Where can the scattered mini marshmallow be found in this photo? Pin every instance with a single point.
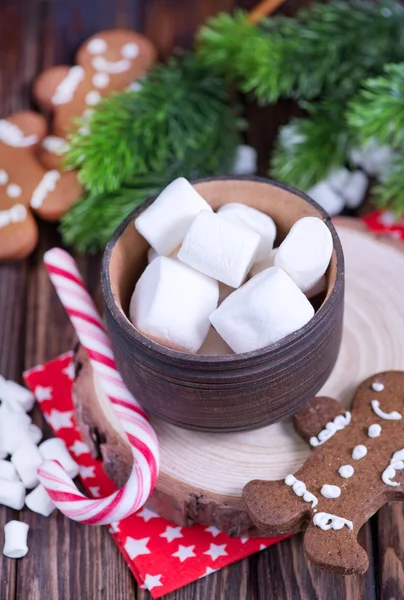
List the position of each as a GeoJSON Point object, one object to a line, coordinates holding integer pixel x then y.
{"type": "Point", "coordinates": [267, 308]}
{"type": "Point", "coordinates": [255, 220]}
{"type": "Point", "coordinates": [165, 223]}
{"type": "Point", "coordinates": [35, 433]}
{"type": "Point", "coordinates": [264, 264]}
{"type": "Point", "coordinates": [39, 501]}
{"type": "Point", "coordinates": [214, 345]}
{"type": "Point", "coordinates": [323, 193]}
{"type": "Point", "coordinates": [245, 162]}
{"type": "Point", "coordinates": [14, 431]}
{"type": "Point", "coordinates": [55, 449]}
{"type": "Point", "coordinates": [12, 494]}
{"type": "Point", "coordinates": [373, 158]}
{"type": "Point", "coordinates": [220, 248]}
{"type": "Point", "coordinates": [338, 179]}
{"type": "Point", "coordinates": [355, 190]}
{"type": "Point", "coordinates": [7, 471]}
{"type": "Point", "coordinates": [15, 539]}
{"type": "Point", "coordinates": [171, 304]}
{"type": "Point", "coordinates": [306, 251]}
{"type": "Point", "coordinates": [26, 461]}
{"type": "Point", "coordinates": [13, 393]}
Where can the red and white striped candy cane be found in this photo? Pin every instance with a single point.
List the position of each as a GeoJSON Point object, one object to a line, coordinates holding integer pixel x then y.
{"type": "Point", "coordinates": [69, 500]}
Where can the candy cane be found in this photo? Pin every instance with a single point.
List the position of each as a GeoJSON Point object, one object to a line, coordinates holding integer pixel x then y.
{"type": "Point", "coordinates": [83, 314]}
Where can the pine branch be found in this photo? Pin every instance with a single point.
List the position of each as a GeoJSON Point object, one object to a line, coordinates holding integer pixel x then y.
{"type": "Point", "coordinates": [323, 50]}
{"type": "Point", "coordinates": [181, 116]}
{"type": "Point", "coordinates": [377, 112]}
{"type": "Point", "coordinates": [309, 148]}
{"type": "Point", "coordinates": [389, 193]}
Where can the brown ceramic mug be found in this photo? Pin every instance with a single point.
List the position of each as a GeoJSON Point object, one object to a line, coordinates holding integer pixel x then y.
{"type": "Point", "coordinates": [236, 391]}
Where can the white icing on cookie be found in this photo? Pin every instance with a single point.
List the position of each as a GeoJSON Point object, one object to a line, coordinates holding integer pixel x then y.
{"type": "Point", "coordinates": [93, 97]}
{"type": "Point", "coordinates": [346, 471]}
{"type": "Point", "coordinates": [16, 214]}
{"type": "Point", "coordinates": [377, 386]}
{"type": "Point", "coordinates": [46, 185]}
{"type": "Point", "coordinates": [393, 416]}
{"type": "Point", "coordinates": [100, 63]}
{"type": "Point", "coordinates": [396, 464]}
{"type": "Point", "coordinates": [3, 177]}
{"type": "Point", "coordinates": [65, 90]}
{"type": "Point", "coordinates": [359, 452]}
{"type": "Point", "coordinates": [96, 46]}
{"type": "Point", "coordinates": [339, 423]}
{"type": "Point", "coordinates": [330, 491]}
{"type": "Point", "coordinates": [299, 487]}
{"type": "Point", "coordinates": [54, 144]}
{"type": "Point", "coordinates": [101, 80]}
{"type": "Point", "coordinates": [11, 135]}
{"type": "Point", "coordinates": [130, 50]}
{"type": "Point", "coordinates": [374, 430]}
{"type": "Point", "coordinates": [13, 190]}
{"type": "Point", "coordinates": [327, 521]}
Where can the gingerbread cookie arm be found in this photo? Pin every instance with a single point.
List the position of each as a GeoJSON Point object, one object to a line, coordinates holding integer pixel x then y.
{"type": "Point", "coordinates": [18, 233]}
{"type": "Point", "coordinates": [316, 416]}
{"type": "Point", "coordinates": [23, 130]}
{"type": "Point", "coordinates": [274, 508]}
{"type": "Point", "coordinates": [55, 194]}
{"type": "Point", "coordinates": [335, 550]}
{"type": "Point", "coordinates": [47, 83]}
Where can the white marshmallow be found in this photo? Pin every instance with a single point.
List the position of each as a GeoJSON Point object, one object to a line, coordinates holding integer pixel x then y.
{"type": "Point", "coordinates": [165, 222]}
{"type": "Point", "coordinates": [374, 159]}
{"type": "Point", "coordinates": [245, 161]}
{"type": "Point", "coordinates": [55, 449]}
{"type": "Point", "coordinates": [15, 539]}
{"type": "Point", "coordinates": [264, 310]}
{"type": "Point", "coordinates": [26, 461]}
{"type": "Point", "coordinates": [39, 501]}
{"type": "Point", "coordinates": [318, 288]}
{"type": "Point", "coordinates": [13, 393]}
{"type": "Point", "coordinates": [355, 189]}
{"type": "Point", "coordinates": [7, 471]}
{"type": "Point", "coordinates": [171, 304]}
{"type": "Point", "coordinates": [35, 434]}
{"type": "Point", "coordinates": [214, 345]}
{"type": "Point", "coordinates": [306, 252]}
{"type": "Point", "coordinates": [327, 197]}
{"type": "Point", "coordinates": [12, 494]}
{"type": "Point", "coordinates": [219, 248]}
{"type": "Point", "coordinates": [264, 264]}
{"type": "Point", "coordinates": [151, 255]}
{"type": "Point", "coordinates": [338, 179]}
{"type": "Point", "coordinates": [255, 220]}
{"type": "Point", "coordinates": [14, 430]}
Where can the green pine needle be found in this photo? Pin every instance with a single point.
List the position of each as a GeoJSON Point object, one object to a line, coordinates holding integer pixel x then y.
{"type": "Point", "coordinates": [389, 193]}
{"type": "Point", "coordinates": [326, 49]}
{"type": "Point", "coordinates": [309, 148]}
{"type": "Point", "coordinates": [182, 117]}
{"type": "Point", "coordinates": [377, 112]}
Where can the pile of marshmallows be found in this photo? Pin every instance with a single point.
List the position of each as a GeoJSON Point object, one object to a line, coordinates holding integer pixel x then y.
{"type": "Point", "coordinates": [18, 440]}
{"type": "Point", "coordinates": [198, 264]}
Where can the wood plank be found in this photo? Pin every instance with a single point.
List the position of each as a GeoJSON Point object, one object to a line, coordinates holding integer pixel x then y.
{"type": "Point", "coordinates": [390, 539]}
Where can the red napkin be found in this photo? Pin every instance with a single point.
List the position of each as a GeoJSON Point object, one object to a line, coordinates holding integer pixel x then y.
{"type": "Point", "coordinates": [385, 222]}
{"type": "Point", "coordinates": [162, 556]}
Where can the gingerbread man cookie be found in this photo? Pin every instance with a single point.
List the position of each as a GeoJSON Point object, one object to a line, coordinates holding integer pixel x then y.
{"type": "Point", "coordinates": [357, 466]}
{"type": "Point", "coordinates": [26, 185]}
{"type": "Point", "coordinates": [107, 62]}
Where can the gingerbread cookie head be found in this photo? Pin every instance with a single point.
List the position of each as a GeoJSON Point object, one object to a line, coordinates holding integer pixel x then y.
{"type": "Point", "coordinates": [356, 466]}
{"type": "Point", "coordinates": [109, 61]}
{"type": "Point", "coordinates": [25, 185]}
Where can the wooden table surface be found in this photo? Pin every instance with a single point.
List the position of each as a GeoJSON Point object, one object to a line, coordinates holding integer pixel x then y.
{"type": "Point", "coordinates": [67, 560]}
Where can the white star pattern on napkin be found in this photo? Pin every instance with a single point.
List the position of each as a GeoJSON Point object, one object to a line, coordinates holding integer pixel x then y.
{"type": "Point", "coordinates": [135, 548]}
{"type": "Point", "coordinates": [172, 533]}
{"type": "Point", "coordinates": [151, 581]}
{"type": "Point", "coordinates": [87, 472]}
{"type": "Point", "coordinates": [79, 448]}
{"type": "Point", "coordinates": [69, 371]}
{"type": "Point", "coordinates": [243, 540]}
{"type": "Point", "coordinates": [184, 552]}
{"type": "Point", "coordinates": [147, 514]}
{"type": "Point", "coordinates": [215, 551]}
{"type": "Point", "coordinates": [43, 393]}
{"type": "Point", "coordinates": [208, 571]}
{"type": "Point", "coordinates": [95, 491]}
{"type": "Point", "coordinates": [57, 419]}
{"type": "Point", "coordinates": [213, 530]}
{"type": "Point", "coordinates": [114, 527]}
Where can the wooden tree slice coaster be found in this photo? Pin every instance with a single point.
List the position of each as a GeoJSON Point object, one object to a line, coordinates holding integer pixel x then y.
{"type": "Point", "coordinates": [202, 474]}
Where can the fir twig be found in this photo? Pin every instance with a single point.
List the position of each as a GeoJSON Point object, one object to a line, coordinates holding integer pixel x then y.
{"type": "Point", "coordinates": [377, 112]}
{"type": "Point", "coordinates": [389, 193]}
